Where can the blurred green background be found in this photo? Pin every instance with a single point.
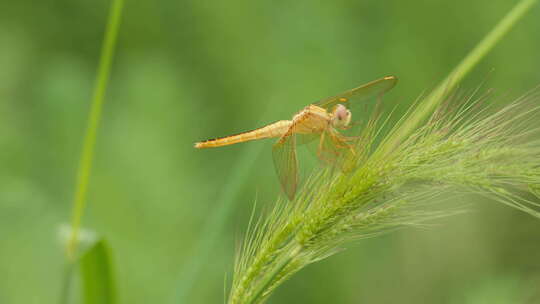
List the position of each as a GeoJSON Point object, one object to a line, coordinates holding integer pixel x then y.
{"type": "Point", "coordinates": [190, 70]}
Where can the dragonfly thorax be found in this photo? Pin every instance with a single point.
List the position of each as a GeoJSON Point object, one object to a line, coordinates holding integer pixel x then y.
{"type": "Point", "coordinates": [341, 117]}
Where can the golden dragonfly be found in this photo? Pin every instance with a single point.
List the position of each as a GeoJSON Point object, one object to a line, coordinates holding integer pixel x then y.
{"type": "Point", "coordinates": [320, 120]}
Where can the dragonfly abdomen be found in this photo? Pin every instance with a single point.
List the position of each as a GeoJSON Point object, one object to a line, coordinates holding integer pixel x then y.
{"type": "Point", "coordinates": [276, 129]}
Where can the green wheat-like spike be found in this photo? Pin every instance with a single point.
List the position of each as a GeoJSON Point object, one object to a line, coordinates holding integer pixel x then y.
{"type": "Point", "coordinates": [438, 161]}
{"type": "Point", "coordinates": [462, 146]}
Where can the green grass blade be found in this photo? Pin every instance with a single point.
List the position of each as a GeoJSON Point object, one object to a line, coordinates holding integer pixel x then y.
{"type": "Point", "coordinates": [429, 103]}
{"type": "Point", "coordinates": [67, 277]}
{"type": "Point", "coordinates": [85, 163]}
{"type": "Point", "coordinates": [96, 275]}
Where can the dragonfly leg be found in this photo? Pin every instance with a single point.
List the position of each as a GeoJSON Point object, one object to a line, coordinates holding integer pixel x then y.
{"type": "Point", "coordinates": [350, 138]}
{"type": "Point", "coordinates": [321, 141]}
{"type": "Point", "coordinates": [320, 150]}
{"type": "Point", "coordinates": [341, 141]}
{"type": "Point", "coordinates": [352, 124]}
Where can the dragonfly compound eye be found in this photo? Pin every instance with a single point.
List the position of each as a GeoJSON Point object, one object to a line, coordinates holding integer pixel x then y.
{"type": "Point", "coordinates": [342, 116]}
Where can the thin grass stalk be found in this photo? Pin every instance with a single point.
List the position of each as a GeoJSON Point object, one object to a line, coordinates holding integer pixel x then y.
{"type": "Point", "coordinates": [94, 117]}
{"type": "Point", "coordinates": [462, 69]}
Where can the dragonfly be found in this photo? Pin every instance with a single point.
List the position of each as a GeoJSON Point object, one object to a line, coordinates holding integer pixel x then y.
{"type": "Point", "coordinates": [321, 121]}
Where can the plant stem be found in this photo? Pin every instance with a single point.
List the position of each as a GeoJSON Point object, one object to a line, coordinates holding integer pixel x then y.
{"type": "Point", "coordinates": [87, 155]}
{"type": "Point", "coordinates": [262, 287]}
{"type": "Point", "coordinates": [66, 284]}
{"type": "Point", "coordinates": [448, 84]}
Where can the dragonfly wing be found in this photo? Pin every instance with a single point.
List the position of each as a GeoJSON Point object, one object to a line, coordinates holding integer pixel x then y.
{"type": "Point", "coordinates": [286, 163]}
{"type": "Point", "coordinates": [331, 147]}
{"type": "Point", "coordinates": [370, 89]}
{"type": "Point", "coordinates": [307, 139]}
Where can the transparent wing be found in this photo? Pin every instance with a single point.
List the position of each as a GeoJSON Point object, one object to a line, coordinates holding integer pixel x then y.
{"type": "Point", "coordinates": [307, 139]}
{"type": "Point", "coordinates": [332, 146]}
{"type": "Point", "coordinates": [286, 162]}
{"type": "Point", "coordinates": [370, 89]}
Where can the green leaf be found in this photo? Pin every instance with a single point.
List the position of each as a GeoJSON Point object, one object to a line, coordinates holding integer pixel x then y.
{"type": "Point", "coordinates": [96, 275]}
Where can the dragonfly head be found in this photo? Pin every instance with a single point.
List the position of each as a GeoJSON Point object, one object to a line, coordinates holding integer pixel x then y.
{"type": "Point", "coordinates": [341, 117]}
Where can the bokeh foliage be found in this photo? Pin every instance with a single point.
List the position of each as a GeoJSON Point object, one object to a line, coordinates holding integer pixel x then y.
{"type": "Point", "coordinates": [189, 70]}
